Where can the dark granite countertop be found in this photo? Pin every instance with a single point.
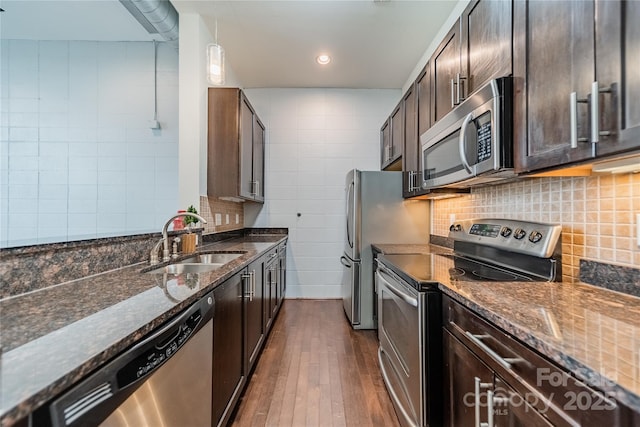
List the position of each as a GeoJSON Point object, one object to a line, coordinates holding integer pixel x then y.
{"type": "Point", "coordinates": [53, 337]}
{"type": "Point", "coordinates": [590, 331]}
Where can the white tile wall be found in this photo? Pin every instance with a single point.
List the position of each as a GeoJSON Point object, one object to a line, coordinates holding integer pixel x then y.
{"type": "Point", "coordinates": [78, 157]}
{"type": "Point", "coordinates": [314, 136]}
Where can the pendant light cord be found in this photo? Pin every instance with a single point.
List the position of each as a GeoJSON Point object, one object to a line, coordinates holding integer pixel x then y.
{"type": "Point", "coordinates": [155, 80]}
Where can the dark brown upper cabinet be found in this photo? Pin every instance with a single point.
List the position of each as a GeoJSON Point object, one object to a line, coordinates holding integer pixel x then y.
{"type": "Point", "coordinates": [576, 85]}
{"type": "Point", "coordinates": [235, 169]}
{"type": "Point", "coordinates": [617, 41]}
{"type": "Point", "coordinates": [419, 95]}
{"type": "Point", "coordinates": [410, 143]}
{"type": "Point", "coordinates": [446, 74]}
{"type": "Point", "coordinates": [391, 146]}
{"type": "Point", "coordinates": [475, 50]}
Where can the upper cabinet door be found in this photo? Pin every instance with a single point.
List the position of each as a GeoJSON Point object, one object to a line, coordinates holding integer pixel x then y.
{"type": "Point", "coordinates": [447, 88]}
{"type": "Point", "coordinates": [487, 41]}
{"type": "Point", "coordinates": [423, 89]}
{"type": "Point", "coordinates": [258, 160]}
{"type": "Point", "coordinates": [385, 141]}
{"type": "Point", "coordinates": [553, 72]}
{"type": "Point", "coordinates": [246, 184]}
{"type": "Point", "coordinates": [410, 146]}
{"type": "Point", "coordinates": [617, 59]}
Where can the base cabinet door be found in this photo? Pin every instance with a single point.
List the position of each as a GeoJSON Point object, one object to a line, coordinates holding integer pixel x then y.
{"type": "Point", "coordinates": [253, 313]}
{"type": "Point", "coordinates": [271, 289]}
{"type": "Point", "coordinates": [228, 370]}
{"type": "Point", "coordinates": [462, 369]}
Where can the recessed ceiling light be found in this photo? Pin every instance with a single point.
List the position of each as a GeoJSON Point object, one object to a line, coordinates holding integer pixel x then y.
{"type": "Point", "coordinates": [323, 59]}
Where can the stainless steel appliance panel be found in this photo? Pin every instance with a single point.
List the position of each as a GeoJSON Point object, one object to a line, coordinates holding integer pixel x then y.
{"type": "Point", "coordinates": [375, 213]}
{"type": "Point", "coordinates": [351, 288]}
{"type": "Point", "coordinates": [400, 351]}
{"type": "Point", "coordinates": [165, 379]}
{"type": "Point", "coordinates": [177, 394]}
{"type": "Point", "coordinates": [473, 143]}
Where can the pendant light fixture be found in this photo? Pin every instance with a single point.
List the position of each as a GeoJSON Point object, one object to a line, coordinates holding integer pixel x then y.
{"type": "Point", "coordinates": [215, 61]}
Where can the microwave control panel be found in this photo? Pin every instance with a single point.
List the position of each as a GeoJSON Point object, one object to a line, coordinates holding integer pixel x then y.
{"type": "Point", "coordinates": [483, 126]}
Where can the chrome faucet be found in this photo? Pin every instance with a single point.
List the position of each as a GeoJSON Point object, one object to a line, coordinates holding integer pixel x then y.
{"type": "Point", "coordinates": [165, 238]}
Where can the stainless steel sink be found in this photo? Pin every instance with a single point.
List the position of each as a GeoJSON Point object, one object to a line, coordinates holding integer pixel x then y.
{"type": "Point", "coordinates": [200, 263]}
{"type": "Point", "coordinates": [181, 268]}
{"type": "Point", "coordinates": [211, 258]}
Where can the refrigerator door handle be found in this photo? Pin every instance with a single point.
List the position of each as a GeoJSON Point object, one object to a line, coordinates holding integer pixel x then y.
{"type": "Point", "coordinates": [350, 213]}
{"type": "Point", "coordinates": [344, 261]}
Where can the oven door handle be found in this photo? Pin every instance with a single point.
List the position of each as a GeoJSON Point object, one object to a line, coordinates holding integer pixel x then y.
{"type": "Point", "coordinates": [462, 142]}
{"type": "Point", "coordinates": [409, 299]}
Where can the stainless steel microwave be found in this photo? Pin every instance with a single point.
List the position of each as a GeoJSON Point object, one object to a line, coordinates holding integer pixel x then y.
{"type": "Point", "coordinates": [472, 144]}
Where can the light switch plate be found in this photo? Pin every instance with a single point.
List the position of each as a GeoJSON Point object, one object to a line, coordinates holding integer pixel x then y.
{"type": "Point", "coordinates": [237, 218]}
{"type": "Point", "coordinates": [218, 219]}
{"type": "Point", "coordinates": [226, 219]}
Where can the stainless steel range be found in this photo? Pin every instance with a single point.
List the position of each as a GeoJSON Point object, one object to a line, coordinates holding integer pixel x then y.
{"type": "Point", "coordinates": [409, 302]}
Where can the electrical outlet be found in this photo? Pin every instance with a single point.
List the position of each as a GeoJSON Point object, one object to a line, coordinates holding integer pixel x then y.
{"type": "Point", "coordinates": [226, 219]}
{"type": "Point", "coordinates": [638, 229]}
{"type": "Point", "coordinates": [452, 218]}
{"type": "Point", "coordinates": [237, 218]}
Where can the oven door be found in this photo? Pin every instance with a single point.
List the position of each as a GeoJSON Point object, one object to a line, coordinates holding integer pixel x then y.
{"type": "Point", "coordinates": [399, 354]}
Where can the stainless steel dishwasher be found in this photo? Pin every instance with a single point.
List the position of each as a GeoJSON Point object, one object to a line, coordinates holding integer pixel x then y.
{"type": "Point", "coordinates": [165, 380]}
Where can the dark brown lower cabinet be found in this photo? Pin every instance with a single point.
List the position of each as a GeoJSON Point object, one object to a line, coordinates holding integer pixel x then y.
{"type": "Point", "coordinates": [253, 312]}
{"type": "Point", "coordinates": [271, 271]}
{"type": "Point", "coordinates": [492, 379]}
{"type": "Point", "coordinates": [475, 394]}
{"type": "Point", "coordinates": [228, 370]}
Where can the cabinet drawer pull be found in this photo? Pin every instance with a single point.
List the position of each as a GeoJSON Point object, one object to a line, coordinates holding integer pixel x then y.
{"type": "Point", "coordinates": [504, 362]}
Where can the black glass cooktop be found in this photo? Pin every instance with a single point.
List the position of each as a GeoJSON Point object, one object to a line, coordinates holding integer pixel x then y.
{"type": "Point", "coordinates": [474, 270]}
{"type": "Point", "coordinates": [416, 269]}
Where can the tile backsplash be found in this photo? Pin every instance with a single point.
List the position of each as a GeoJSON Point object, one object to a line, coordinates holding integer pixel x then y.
{"type": "Point", "coordinates": [221, 215]}
{"type": "Point", "coordinates": [597, 214]}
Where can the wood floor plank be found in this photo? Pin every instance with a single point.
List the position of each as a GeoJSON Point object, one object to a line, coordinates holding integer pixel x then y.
{"type": "Point", "coordinates": [315, 370]}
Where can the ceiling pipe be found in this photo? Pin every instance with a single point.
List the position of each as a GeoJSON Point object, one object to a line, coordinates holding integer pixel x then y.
{"type": "Point", "coordinates": [156, 16]}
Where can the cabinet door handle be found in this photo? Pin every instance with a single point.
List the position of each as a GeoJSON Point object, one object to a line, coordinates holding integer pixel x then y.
{"type": "Point", "coordinates": [459, 90]}
{"type": "Point", "coordinates": [453, 93]}
{"type": "Point", "coordinates": [253, 284]}
{"type": "Point", "coordinates": [595, 112]}
{"type": "Point", "coordinates": [478, 385]}
{"type": "Point", "coordinates": [502, 361]}
{"type": "Point", "coordinates": [573, 118]}
{"type": "Point", "coordinates": [248, 294]}
{"type": "Point", "coordinates": [462, 142]}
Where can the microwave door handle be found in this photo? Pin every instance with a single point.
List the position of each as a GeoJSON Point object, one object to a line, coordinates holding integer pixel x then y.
{"type": "Point", "coordinates": [462, 142]}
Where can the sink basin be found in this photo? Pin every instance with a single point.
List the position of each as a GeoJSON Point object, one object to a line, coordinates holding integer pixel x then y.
{"type": "Point", "coordinates": [200, 263]}
{"type": "Point", "coordinates": [181, 268]}
{"type": "Point", "coordinates": [212, 258]}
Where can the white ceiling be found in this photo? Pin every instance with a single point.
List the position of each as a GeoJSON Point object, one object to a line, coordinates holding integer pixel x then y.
{"type": "Point", "coordinates": [268, 43]}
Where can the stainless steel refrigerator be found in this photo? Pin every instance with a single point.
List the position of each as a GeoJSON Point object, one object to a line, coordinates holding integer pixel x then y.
{"type": "Point", "coordinates": [375, 213]}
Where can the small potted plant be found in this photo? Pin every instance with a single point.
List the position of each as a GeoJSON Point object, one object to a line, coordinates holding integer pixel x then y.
{"type": "Point", "coordinates": [189, 220]}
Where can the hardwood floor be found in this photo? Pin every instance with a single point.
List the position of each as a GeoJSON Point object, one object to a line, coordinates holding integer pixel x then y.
{"type": "Point", "coordinates": [315, 370]}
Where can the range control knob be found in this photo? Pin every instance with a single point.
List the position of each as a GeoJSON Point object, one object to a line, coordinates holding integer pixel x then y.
{"type": "Point", "coordinates": [519, 233]}
{"type": "Point", "coordinates": [455, 227]}
{"type": "Point", "coordinates": [535, 236]}
{"type": "Point", "coordinates": [505, 232]}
